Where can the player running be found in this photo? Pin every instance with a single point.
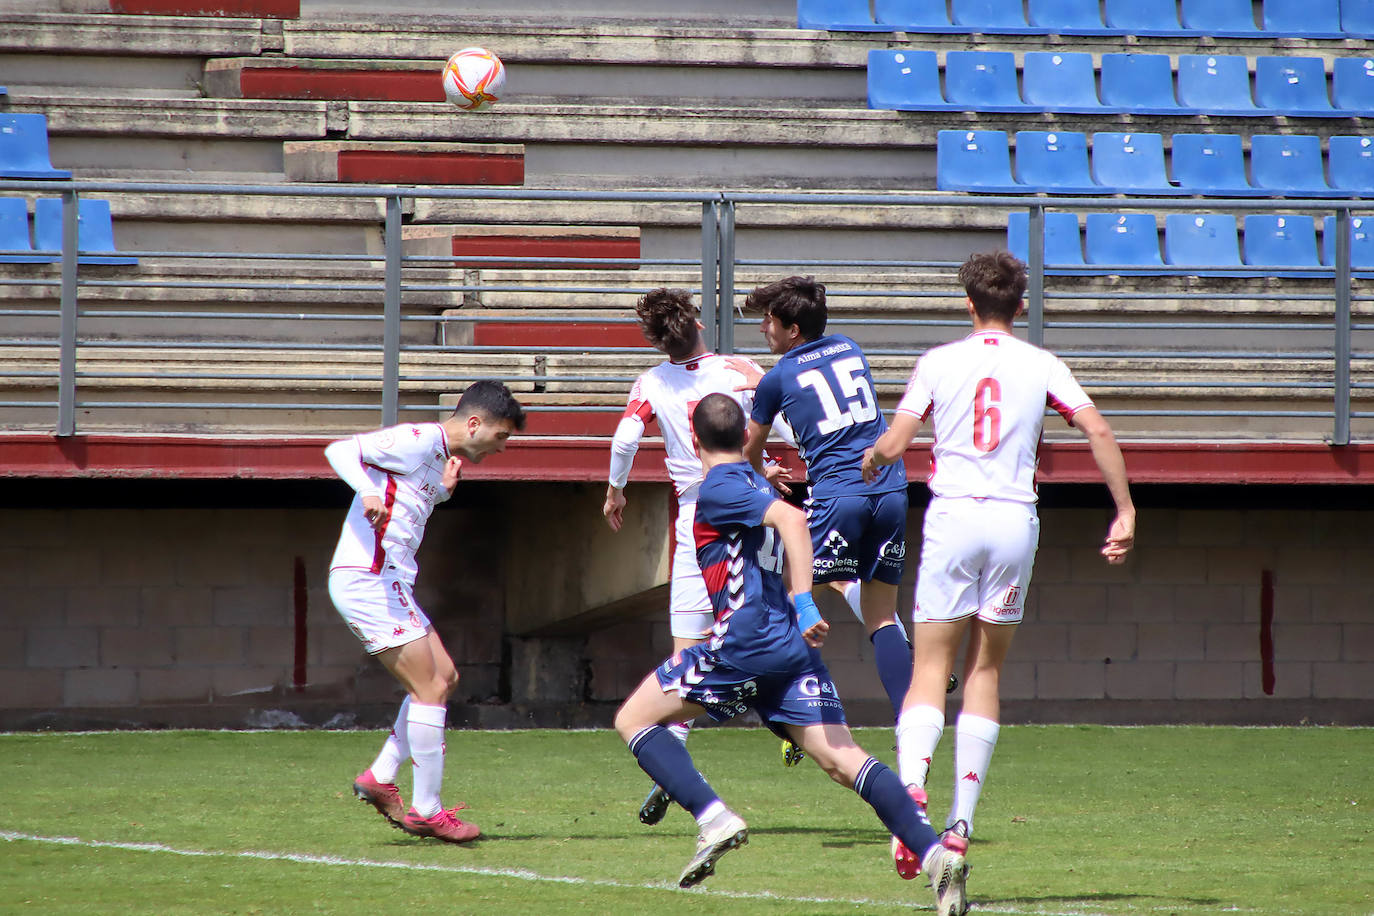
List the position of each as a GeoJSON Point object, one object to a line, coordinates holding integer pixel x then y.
{"type": "Point", "coordinates": [668, 393]}
{"type": "Point", "coordinates": [399, 475]}
{"type": "Point", "coordinates": [823, 388]}
{"type": "Point", "coordinates": [761, 655]}
{"type": "Point", "coordinates": [986, 396]}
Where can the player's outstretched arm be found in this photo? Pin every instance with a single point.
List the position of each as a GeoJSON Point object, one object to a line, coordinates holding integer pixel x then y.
{"type": "Point", "coordinates": [343, 457]}
{"type": "Point", "coordinates": [790, 524]}
{"type": "Point", "coordinates": [614, 507]}
{"type": "Point", "coordinates": [890, 445]}
{"type": "Point", "coordinates": [1112, 464]}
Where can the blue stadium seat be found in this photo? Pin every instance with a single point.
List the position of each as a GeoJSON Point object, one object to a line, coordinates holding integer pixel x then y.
{"type": "Point", "coordinates": [992, 16]}
{"type": "Point", "coordinates": [1216, 84]}
{"type": "Point", "coordinates": [1054, 161]}
{"type": "Point", "coordinates": [1131, 164]}
{"type": "Point", "coordinates": [837, 16]}
{"type": "Point", "coordinates": [24, 147]}
{"type": "Point", "coordinates": [914, 15]}
{"type": "Point", "coordinates": [1220, 18]}
{"type": "Point", "coordinates": [905, 81]}
{"type": "Point", "coordinates": [1289, 165]}
{"type": "Point", "coordinates": [1068, 17]}
{"type": "Point", "coordinates": [1304, 18]}
{"type": "Point", "coordinates": [1202, 240]}
{"type": "Point", "coordinates": [1063, 242]}
{"type": "Point", "coordinates": [1357, 19]}
{"type": "Point", "coordinates": [1293, 86]}
{"type": "Point", "coordinates": [1140, 84]}
{"type": "Point", "coordinates": [1060, 81]}
{"type": "Point", "coordinates": [1361, 243]}
{"type": "Point", "coordinates": [1352, 85]}
{"type": "Point", "coordinates": [983, 81]}
{"type": "Point", "coordinates": [1127, 239]}
{"type": "Point", "coordinates": [974, 160]}
{"type": "Point", "coordinates": [1273, 240]}
{"type": "Point", "coordinates": [1142, 17]}
{"type": "Point", "coordinates": [1211, 164]}
{"type": "Point", "coordinates": [94, 229]}
{"type": "Point", "coordinates": [1351, 163]}
{"type": "Point", "coordinates": [14, 234]}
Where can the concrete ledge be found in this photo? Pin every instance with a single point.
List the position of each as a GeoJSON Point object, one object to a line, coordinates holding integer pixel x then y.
{"type": "Point", "coordinates": [405, 163]}
{"type": "Point", "coordinates": [180, 117]}
{"type": "Point", "coordinates": [126, 34]}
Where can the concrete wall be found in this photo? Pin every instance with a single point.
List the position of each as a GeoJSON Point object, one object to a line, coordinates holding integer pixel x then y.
{"type": "Point", "coordinates": [186, 616]}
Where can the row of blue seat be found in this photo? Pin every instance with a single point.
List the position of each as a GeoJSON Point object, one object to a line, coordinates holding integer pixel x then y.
{"type": "Point", "coordinates": [94, 231]}
{"type": "Point", "coordinates": [1213, 165]}
{"type": "Point", "coordinates": [1192, 18]}
{"type": "Point", "coordinates": [1191, 240]}
{"type": "Point", "coordinates": [24, 147]}
{"type": "Point", "coordinates": [1066, 82]}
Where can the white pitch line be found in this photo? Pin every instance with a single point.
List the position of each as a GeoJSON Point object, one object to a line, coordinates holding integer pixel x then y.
{"type": "Point", "coordinates": [518, 874]}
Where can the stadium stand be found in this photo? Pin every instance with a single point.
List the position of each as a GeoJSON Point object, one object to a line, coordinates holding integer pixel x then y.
{"type": "Point", "coordinates": [1352, 84]}
{"type": "Point", "coordinates": [1217, 84]}
{"type": "Point", "coordinates": [993, 16]}
{"type": "Point", "coordinates": [1295, 86]}
{"type": "Point", "coordinates": [1201, 240]}
{"type": "Point", "coordinates": [1063, 240]}
{"type": "Point", "coordinates": [1055, 162]}
{"type": "Point", "coordinates": [24, 147]}
{"type": "Point", "coordinates": [1144, 18]}
{"type": "Point", "coordinates": [906, 81]}
{"type": "Point", "coordinates": [1211, 165]}
{"type": "Point", "coordinates": [1131, 164]}
{"type": "Point", "coordinates": [1067, 17]}
{"type": "Point", "coordinates": [1061, 82]}
{"type": "Point", "coordinates": [975, 160]}
{"type": "Point", "coordinates": [94, 230]}
{"type": "Point", "coordinates": [1230, 18]}
{"type": "Point", "coordinates": [1281, 241]}
{"type": "Point", "coordinates": [1130, 239]}
{"type": "Point", "coordinates": [837, 15]}
{"type": "Point", "coordinates": [14, 234]}
{"type": "Point", "coordinates": [1305, 18]}
{"type": "Point", "coordinates": [914, 16]}
{"type": "Point", "coordinates": [1361, 244]}
{"type": "Point", "coordinates": [983, 81]}
{"type": "Point", "coordinates": [1288, 164]}
{"type": "Point", "coordinates": [1141, 84]}
{"type": "Point", "coordinates": [1351, 163]}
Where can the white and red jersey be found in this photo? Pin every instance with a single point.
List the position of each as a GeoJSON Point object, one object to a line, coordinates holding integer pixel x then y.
{"type": "Point", "coordinates": [669, 392]}
{"type": "Point", "coordinates": [986, 396]}
{"type": "Point", "coordinates": [403, 466]}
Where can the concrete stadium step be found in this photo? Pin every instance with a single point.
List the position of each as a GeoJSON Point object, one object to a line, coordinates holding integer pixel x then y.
{"type": "Point", "coordinates": [552, 242]}
{"type": "Point", "coordinates": [235, 9]}
{"type": "Point", "coordinates": [36, 28]}
{"type": "Point", "coordinates": [405, 163]}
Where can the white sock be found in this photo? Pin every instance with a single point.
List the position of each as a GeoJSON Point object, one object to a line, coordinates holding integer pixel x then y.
{"type": "Point", "coordinates": [974, 739]}
{"type": "Point", "coordinates": [396, 750]}
{"type": "Point", "coordinates": [853, 592]}
{"type": "Point", "coordinates": [710, 813]}
{"type": "Point", "coordinates": [681, 730]}
{"type": "Point", "coordinates": [425, 728]}
{"type": "Point", "coordinates": [918, 733]}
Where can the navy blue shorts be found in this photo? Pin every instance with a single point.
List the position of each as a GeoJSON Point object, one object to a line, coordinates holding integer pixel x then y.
{"type": "Point", "coordinates": [858, 537]}
{"type": "Point", "coordinates": [805, 696]}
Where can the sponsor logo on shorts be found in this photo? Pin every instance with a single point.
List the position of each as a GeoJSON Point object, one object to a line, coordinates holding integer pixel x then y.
{"type": "Point", "coordinates": [835, 542]}
{"type": "Point", "coordinates": [398, 631]}
{"type": "Point", "coordinates": [893, 550]}
{"type": "Point", "coordinates": [1014, 592]}
{"type": "Point", "coordinates": [813, 686]}
{"type": "Point", "coordinates": [845, 565]}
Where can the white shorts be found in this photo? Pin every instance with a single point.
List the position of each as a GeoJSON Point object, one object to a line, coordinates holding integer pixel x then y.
{"type": "Point", "coordinates": [689, 607]}
{"type": "Point", "coordinates": [379, 609]}
{"type": "Point", "coordinates": [976, 558]}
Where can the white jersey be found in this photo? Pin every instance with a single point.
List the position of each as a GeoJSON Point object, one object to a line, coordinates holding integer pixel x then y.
{"type": "Point", "coordinates": [669, 392]}
{"type": "Point", "coordinates": [403, 465]}
{"type": "Point", "coordinates": [987, 396]}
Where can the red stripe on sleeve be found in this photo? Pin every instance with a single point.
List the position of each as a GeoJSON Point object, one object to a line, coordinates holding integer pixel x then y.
{"type": "Point", "coordinates": [378, 554]}
{"type": "Point", "coordinates": [642, 409]}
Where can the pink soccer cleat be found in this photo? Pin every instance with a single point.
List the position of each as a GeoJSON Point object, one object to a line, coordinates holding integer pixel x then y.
{"type": "Point", "coordinates": [908, 865]}
{"type": "Point", "coordinates": [384, 796]}
{"type": "Point", "coordinates": [956, 836]}
{"type": "Point", "coordinates": [444, 825]}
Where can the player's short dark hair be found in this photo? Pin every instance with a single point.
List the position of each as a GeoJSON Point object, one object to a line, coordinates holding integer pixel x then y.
{"type": "Point", "coordinates": [492, 400]}
{"type": "Point", "coordinates": [668, 320]}
{"type": "Point", "coordinates": [796, 301]}
{"type": "Point", "coordinates": [995, 282]}
{"type": "Point", "coordinates": [718, 421]}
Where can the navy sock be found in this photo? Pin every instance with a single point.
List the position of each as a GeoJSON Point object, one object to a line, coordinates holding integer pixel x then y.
{"type": "Point", "coordinates": [881, 788]}
{"type": "Point", "coordinates": [892, 655]}
{"type": "Point", "coordinates": [667, 762]}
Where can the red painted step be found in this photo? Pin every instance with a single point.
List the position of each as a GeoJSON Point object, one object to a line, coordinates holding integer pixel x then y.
{"type": "Point", "coordinates": [338, 84]}
{"type": "Point", "coordinates": [233, 9]}
{"type": "Point", "coordinates": [539, 334]}
{"type": "Point", "coordinates": [548, 243]}
{"type": "Point", "coordinates": [371, 162]}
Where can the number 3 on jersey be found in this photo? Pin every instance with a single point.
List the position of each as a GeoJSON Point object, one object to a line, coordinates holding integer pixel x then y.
{"type": "Point", "coordinates": [861, 406]}
{"type": "Point", "coordinates": [987, 414]}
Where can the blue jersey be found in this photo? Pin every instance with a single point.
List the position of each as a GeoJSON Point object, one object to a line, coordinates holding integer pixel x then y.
{"type": "Point", "coordinates": [741, 561]}
{"type": "Point", "coordinates": [825, 392]}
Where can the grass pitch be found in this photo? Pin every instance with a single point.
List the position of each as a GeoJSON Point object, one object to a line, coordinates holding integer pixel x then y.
{"type": "Point", "coordinates": [1074, 821]}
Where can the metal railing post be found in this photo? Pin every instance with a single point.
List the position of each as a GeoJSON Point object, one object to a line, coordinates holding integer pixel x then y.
{"type": "Point", "coordinates": [710, 269]}
{"type": "Point", "coordinates": [1340, 433]}
{"type": "Point", "coordinates": [726, 344]}
{"type": "Point", "coordinates": [391, 316]}
{"type": "Point", "coordinates": [66, 369]}
{"type": "Point", "coordinates": [1035, 281]}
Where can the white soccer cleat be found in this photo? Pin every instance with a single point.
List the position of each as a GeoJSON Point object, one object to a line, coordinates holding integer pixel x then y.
{"type": "Point", "coordinates": [725, 832]}
{"type": "Point", "coordinates": [948, 871]}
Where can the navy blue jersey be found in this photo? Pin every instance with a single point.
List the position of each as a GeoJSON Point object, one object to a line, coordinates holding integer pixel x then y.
{"type": "Point", "coordinates": [741, 561]}
{"type": "Point", "coordinates": [825, 392]}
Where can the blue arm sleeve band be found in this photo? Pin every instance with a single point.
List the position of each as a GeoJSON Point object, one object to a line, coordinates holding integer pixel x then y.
{"type": "Point", "coordinates": [807, 615]}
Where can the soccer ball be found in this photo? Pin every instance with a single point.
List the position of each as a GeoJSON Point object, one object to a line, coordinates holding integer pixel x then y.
{"type": "Point", "coordinates": [473, 78]}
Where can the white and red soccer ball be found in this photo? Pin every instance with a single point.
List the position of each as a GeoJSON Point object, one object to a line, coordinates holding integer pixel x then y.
{"type": "Point", "coordinates": [474, 78]}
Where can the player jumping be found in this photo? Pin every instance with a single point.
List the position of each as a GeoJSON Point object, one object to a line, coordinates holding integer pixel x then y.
{"type": "Point", "coordinates": [986, 396]}
{"type": "Point", "coordinates": [761, 655]}
{"type": "Point", "coordinates": [399, 474]}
